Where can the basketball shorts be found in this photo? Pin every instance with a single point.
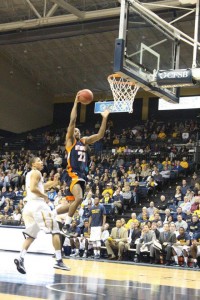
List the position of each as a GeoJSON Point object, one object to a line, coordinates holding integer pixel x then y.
{"type": "Point", "coordinates": [38, 216]}
{"type": "Point", "coordinates": [76, 178]}
{"type": "Point", "coordinates": [95, 234]}
{"type": "Point", "coordinates": [179, 249]}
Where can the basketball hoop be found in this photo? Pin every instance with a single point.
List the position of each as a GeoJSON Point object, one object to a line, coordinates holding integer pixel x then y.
{"type": "Point", "coordinates": [123, 91]}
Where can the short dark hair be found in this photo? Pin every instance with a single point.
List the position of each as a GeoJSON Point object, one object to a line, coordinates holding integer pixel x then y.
{"type": "Point", "coordinates": [32, 160]}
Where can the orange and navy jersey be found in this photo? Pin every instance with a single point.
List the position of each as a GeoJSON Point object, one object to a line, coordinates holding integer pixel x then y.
{"type": "Point", "coordinates": [77, 159]}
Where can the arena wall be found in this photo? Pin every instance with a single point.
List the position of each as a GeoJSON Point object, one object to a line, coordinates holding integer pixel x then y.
{"type": "Point", "coordinates": [23, 105]}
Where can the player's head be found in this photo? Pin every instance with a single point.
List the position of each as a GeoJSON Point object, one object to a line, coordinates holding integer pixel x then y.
{"type": "Point", "coordinates": [77, 134]}
{"type": "Point", "coordinates": [36, 163]}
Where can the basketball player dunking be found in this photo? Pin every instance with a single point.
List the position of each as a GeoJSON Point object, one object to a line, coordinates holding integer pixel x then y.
{"type": "Point", "coordinates": [38, 216]}
{"type": "Point", "coordinates": [77, 160]}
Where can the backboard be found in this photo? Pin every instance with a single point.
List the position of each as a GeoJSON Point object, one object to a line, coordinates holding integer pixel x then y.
{"type": "Point", "coordinates": [148, 44]}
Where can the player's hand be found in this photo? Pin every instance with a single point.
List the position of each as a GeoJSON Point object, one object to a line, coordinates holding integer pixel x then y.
{"type": "Point", "coordinates": [77, 98]}
{"type": "Point", "coordinates": [45, 198]}
{"type": "Point", "coordinates": [56, 177]}
{"type": "Point", "coordinates": [194, 242]}
{"type": "Point", "coordinates": [105, 114]}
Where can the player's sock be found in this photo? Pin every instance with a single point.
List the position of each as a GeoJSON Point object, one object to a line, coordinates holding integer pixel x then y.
{"type": "Point", "coordinates": [58, 255]}
{"type": "Point", "coordinates": [95, 252]}
{"type": "Point", "coordinates": [176, 259]}
{"type": "Point", "coordinates": [98, 252]}
{"type": "Point", "coordinates": [195, 260]}
{"type": "Point", "coordinates": [68, 220]}
{"type": "Point", "coordinates": [186, 259]}
{"type": "Point", "coordinates": [23, 253]}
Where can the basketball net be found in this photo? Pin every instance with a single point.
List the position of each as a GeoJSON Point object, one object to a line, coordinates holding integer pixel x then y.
{"type": "Point", "coordinates": [123, 91]}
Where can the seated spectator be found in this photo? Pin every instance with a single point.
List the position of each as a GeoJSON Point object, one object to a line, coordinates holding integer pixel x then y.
{"type": "Point", "coordinates": [178, 195]}
{"type": "Point", "coordinates": [151, 209]}
{"type": "Point", "coordinates": [186, 205]}
{"type": "Point", "coordinates": [166, 162]}
{"type": "Point", "coordinates": [105, 234]}
{"type": "Point", "coordinates": [156, 217]}
{"type": "Point", "coordinates": [134, 233]}
{"type": "Point", "coordinates": [74, 232]}
{"type": "Point", "coordinates": [165, 175]}
{"type": "Point", "coordinates": [194, 180]}
{"type": "Point", "coordinates": [127, 197]}
{"type": "Point", "coordinates": [179, 212]}
{"type": "Point", "coordinates": [17, 215]}
{"type": "Point", "coordinates": [117, 241]}
{"type": "Point", "coordinates": [184, 187]}
{"type": "Point", "coordinates": [117, 202]}
{"type": "Point", "coordinates": [145, 172]}
{"type": "Point", "coordinates": [84, 239]}
{"type": "Point", "coordinates": [154, 227]}
{"type": "Point", "coordinates": [108, 189]}
{"type": "Point", "coordinates": [172, 228]}
{"type": "Point", "coordinates": [162, 204]}
{"type": "Point", "coordinates": [194, 227]}
{"type": "Point", "coordinates": [160, 226]}
{"type": "Point", "coordinates": [188, 217]}
{"type": "Point", "coordinates": [181, 247]}
{"type": "Point", "coordinates": [161, 135]}
{"type": "Point", "coordinates": [158, 179]}
{"type": "Point", "coordinates": [145, 242]}
{"type": "Point", "coordinates": [181, 223]}
{"type": "Point", "coordinates": [52, 194]}
{"type": "Point", "coordinates": [132, 220]}
{"type": "Point", "coordinates": [185, 166]}
{"type": "Point", "coordinates": [106, 199]}
{"type": "Point", "coordinates": [195, 250]}
{"type": "Point", "coordinates": [166, 239]}
{"type": "Point", "coordinates": [167, 217]}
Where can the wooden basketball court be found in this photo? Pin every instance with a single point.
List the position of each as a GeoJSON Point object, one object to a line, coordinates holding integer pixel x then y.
{"type": "Point", "coordinates": [94, 280]}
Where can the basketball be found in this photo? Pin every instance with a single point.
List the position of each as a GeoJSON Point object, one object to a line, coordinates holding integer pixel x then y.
{"type": "Point", "coordinates": [85, 96]}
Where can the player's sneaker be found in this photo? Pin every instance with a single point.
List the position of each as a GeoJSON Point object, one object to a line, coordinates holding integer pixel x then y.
{"type": "Point", "coordinates": [65, 230]}
{"type": "Point", "coordinates": [75, 254]}
{"type": "Point", "coordinates": [20, 265]}
{"type": "Point", "coordinates": [60, 265]}
{"type": "Point", "coordinates": [84, 255]}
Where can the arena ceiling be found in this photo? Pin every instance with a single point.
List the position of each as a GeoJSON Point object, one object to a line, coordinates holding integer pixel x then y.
{"type": "Point", "coordinates": [64, 46]}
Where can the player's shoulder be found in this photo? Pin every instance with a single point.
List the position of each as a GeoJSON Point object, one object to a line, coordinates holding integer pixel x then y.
{"type": "Point", "coordinates": [36, 173]}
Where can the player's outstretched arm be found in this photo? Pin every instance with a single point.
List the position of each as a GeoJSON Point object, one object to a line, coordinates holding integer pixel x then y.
{"type": "Point", "coordinates": [96, 137]}
{"type": "Point", "coordinates": [72, 123]}
{"type": "Point", "coordinates": [52, 183]}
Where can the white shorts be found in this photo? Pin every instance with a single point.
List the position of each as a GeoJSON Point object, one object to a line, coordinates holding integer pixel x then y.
{"type": "Point", "coordinates": [38, 216]}
{"type": "Point", "coordinates": [95, 234]}
{"type": "Point", "coordinates": [179, 249]}
{"type": "Point", "coordinates": [198, 250]}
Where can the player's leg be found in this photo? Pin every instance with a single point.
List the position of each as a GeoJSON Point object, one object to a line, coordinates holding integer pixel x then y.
{"type": "Point", "coordinates": [57, 246]}
{"type": "Point", "coordinates": [30, 234]}
{"type": "Point", "coordinates": [20, 261]}
{"type": "Point", "coordinates": [77, 192]}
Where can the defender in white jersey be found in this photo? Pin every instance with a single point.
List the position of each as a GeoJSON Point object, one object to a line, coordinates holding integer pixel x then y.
{"type": "Point", "coordinates": [38, 216]}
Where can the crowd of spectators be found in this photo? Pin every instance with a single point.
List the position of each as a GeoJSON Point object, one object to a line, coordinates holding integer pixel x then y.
{"type": "Point", "coordinates": [122, 182]}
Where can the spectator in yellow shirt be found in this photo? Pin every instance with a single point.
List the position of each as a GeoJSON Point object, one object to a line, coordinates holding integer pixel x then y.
{"type": "Point", "coordinates": [161, 135]}
{"type": "Point", "coordinates": [132, 220]}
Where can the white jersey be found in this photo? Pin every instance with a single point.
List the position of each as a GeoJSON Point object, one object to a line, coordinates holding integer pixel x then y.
{"type": "Point", "coordinates": [30, 195]}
